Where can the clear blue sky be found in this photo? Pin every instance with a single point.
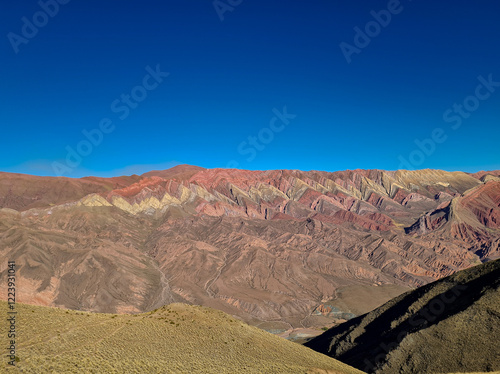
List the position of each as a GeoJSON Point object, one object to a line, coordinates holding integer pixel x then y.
{"type": "Point", "coordinates": [229, 78]}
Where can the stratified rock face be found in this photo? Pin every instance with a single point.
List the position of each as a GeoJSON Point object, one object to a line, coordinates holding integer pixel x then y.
{"type": "Point", "coordinates": [450, 325]}
{"type": "Point", "coordinates": [484, 203]}
{"type": "Point", "coordinates": [264, 245]}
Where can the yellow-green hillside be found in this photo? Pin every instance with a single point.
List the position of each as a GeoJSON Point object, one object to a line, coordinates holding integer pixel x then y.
{"type": "Point", "coordinates": [174, 339]}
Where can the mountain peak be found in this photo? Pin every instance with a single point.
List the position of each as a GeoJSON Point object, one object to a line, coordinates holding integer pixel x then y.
{"type": "Point", "coordinates": [179, 171]}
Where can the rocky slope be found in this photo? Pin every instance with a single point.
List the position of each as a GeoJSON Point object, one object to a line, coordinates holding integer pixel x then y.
{"type": "Point", "coordinates": [277, 248]}
{"type": "Point", "coordinates": [450, 325]}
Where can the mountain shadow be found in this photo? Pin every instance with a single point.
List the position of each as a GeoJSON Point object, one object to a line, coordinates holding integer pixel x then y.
{"type": "Point", "coordinates": [446, 326]}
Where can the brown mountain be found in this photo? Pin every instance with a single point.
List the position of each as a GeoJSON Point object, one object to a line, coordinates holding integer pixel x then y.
{"type": "Point", "coordinates": [279, 248]}
{"type": "Point", "coordinates": [23, 192]}
{"type": "Point", "coordinates": [450, 325]}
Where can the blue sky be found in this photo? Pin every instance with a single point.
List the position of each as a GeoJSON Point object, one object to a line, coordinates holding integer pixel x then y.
{"type": "Point", "coordinates": [253, 85]}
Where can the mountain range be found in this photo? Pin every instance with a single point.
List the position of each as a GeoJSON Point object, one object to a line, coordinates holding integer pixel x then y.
{"type": "Point", "coordinates": [284, 250]}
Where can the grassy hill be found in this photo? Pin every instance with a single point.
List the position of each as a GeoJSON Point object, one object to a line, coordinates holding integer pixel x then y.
{"type": "Point", "coordinates": [451, 325]}
{"type": "Point", "coordinates": [173, 339]}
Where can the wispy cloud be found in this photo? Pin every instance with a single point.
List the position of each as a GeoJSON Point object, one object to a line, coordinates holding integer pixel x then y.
{"type": "Point", "coordinates": [44, 168]}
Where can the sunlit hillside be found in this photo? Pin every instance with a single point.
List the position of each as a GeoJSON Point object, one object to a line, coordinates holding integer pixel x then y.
{"type": "Point", "coordinates": [173, 339]}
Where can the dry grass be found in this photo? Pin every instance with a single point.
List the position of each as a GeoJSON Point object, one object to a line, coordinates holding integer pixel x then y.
{"type": "Point", "coordinates": [173, 339]}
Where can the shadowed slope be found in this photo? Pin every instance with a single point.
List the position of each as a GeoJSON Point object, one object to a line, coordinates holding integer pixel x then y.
{"type": "Point", "coordinates": [449, 325]}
